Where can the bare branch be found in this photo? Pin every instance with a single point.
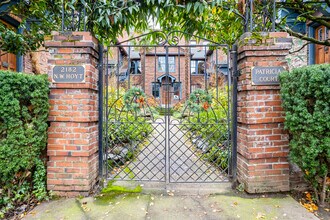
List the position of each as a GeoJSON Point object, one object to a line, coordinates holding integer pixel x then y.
{"type": "Point", "coordinates": [302, 47]}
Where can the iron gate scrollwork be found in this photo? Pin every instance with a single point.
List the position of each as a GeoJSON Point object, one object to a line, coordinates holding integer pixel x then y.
{"type": "Point", "coordinates": [167, 110]}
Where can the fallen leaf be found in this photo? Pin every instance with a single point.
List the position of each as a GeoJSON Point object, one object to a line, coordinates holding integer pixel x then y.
{"type": "Point", "coordinates": [235, 203]}
{"type": "Point", "coordinates": [308, 196]}
{"type": "Point", "coordinates": [261, 215]}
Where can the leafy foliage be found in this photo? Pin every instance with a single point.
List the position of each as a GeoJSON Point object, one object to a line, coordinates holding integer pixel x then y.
{"type": "Point", "coordinates": [129, 129]}
{"type": "Point", "coordinates": [23, 125]}
{"type": "Point", "coordinates": [199, 101]}
{"type": "Point", "coordinates": [128, 125]}
{"type": "Point", "coordinates": [108, 20]}
{"type": "Point", "coordinates": [212, 128]}
{"type": "Point", "coordinates": [37, 18]}
{"type": "Point", "coordinates": [306, 100]}
{"type": "Point", "coordinates": [134, 99]}
{"type": "Point", "coordinates": [311, 11]}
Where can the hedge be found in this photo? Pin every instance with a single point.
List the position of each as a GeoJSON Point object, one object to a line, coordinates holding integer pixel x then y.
{"type": "Point", "coordinates": [24, 111]}
{"type": "Point", "coordinates": [306, 100]}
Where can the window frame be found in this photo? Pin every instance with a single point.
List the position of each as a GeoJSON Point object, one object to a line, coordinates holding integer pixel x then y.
{"type": "Point", "coordinates": [158, 85]}
{"type": "Point", "coordinates": [179, 90]}
{"type": "Point", "coordinates": [136, 68]}
{"type": "Point", "coordinates": [320, 34]}
{"type": "Point", "coordinates": [159, 64]}
{"type": "Point", "coordinates": [196, 67]}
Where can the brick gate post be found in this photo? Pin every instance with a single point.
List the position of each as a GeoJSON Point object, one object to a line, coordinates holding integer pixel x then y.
{"type": "Point", "coordinates": [262, 150]}
{"type": "Point", "coordinates": [72, 149]}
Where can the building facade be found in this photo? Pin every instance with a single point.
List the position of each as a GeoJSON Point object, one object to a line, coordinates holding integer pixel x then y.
{"type": "Point", "coordinates": [169, 74]}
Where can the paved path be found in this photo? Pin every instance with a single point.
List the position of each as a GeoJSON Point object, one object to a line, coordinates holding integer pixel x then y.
{"type": "Point", "coordinates": [170, 153]}
{"type": "Point", "coordinates": [158, 207]}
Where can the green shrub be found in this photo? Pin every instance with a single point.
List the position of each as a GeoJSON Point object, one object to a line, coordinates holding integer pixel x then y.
{"type": "Point", "coordinates": [23, 135]}
{"type": "Point", "coordinates": [128, 124]}
{"type": "Point", "coordinates": [306, 99]}
{"type": "Point", "coordinates": [212, 127]}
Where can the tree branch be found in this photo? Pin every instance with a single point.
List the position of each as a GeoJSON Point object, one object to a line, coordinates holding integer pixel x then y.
{"type": "Point", "coordinates": [311, 17]}
{"type": "Point", "coordinates": [302, 47]}
{"type": "Point", "coordinates": [304, 37]}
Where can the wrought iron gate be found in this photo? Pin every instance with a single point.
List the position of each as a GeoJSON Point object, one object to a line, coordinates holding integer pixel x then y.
{"type": "Point", "coordinates": [166, 110]}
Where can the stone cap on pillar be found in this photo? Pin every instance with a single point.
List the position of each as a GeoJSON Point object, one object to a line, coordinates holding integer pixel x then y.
{"type": "Point", "coordinates": [71, 39]}
{"type": "Point", "coordinates": [264, 41]}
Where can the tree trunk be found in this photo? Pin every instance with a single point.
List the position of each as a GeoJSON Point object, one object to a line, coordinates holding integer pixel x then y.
{"type": "Point", "coordinates": [324, 189]}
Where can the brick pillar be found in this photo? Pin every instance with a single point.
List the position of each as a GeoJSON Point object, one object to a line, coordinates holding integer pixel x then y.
{"type": "Point", "coordinates": [262, 142]}
{"type": "Point", "coordinates": [72, 149]}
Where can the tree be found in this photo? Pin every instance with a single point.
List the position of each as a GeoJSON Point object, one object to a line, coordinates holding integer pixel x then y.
{"type": "Point", "coordinates": [109, 19]}
{"type": "Point", "coordinates": [308, 11]}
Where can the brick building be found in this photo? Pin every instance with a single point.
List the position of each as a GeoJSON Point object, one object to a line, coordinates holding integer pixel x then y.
{"type": "Point", "coordinates": [190, 67]}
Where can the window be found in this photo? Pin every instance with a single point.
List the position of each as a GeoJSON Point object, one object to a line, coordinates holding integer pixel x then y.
{"type": "Point", "coordinates": [177, 90]}
{"type": "Point", "coordinates": [135, 67]}
{"type": "Point", "coordinates": [197, 67]}
{"type": "Point", "coordinates": [327, 30]}
{"type": "Point", "coordinates": [320, 34]}
{"type": "Point", "coordinates": [155, 90]}
{"type": "Point", "coordinates": [162, 64]}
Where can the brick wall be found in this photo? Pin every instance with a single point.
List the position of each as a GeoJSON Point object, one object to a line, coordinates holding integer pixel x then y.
{"type": "Point", "coordinates": [36, 62]}
{"type": "Point", "coordinates": [262, 142]}
{"type": "Point", "coordinates": [73, 133]}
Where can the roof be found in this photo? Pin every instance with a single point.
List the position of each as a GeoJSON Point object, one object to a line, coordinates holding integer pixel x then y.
{"type": "Point", "coordinates": [172, 78]}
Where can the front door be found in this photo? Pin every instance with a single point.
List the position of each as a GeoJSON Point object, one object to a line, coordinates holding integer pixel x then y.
{"type": "Point", "coordinates": [166, 93]}
{"type": "Point", "coordinates": [322, 54]}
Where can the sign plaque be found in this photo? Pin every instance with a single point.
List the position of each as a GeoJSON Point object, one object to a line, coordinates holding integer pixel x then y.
{"type": "Point", "coordinates": [68, 74]}
{"type": "Point", "coordinates": [266, 75]}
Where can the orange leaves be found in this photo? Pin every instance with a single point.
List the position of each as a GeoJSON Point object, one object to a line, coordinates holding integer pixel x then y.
{"type": "Point", "coordinates": [308, 196]}
{"type": "Point", "coordinates": [311, 207]}
{"type": "Point", "coordinates": [206, 105]}
{"type": "Point", "coordinates": [308, 203]}
{"type": "Point", "coordinates": [140, 101]}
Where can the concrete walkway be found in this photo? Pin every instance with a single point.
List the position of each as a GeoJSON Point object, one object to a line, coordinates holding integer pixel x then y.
{"type": "Point", "coordinates": [172, 207]}
{"type": "Point", "coordinates": [171, 155]}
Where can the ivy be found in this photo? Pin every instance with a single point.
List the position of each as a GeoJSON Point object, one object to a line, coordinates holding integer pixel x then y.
{"type": "Point", "coordinates": [23, 125]}
{"type": "Point", "coordinates": [306, 100]}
